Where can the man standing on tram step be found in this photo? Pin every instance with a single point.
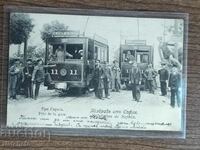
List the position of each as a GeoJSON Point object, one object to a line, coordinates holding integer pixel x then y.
{"type": "Point", "coordinates": [98, 80]}
{"type": "Point", "coordinates": [150, 75]}
{"type": "Point", "coordinates": [115, 77]}
{"type": "Point", "coordinates": [164, 75]}
{"type": "Point", "coordinates": [106, 79]}
{"type": "Point", "coordinates": [175, 84]}
{"type": "Point", "coordinates": [135, 81]}
{"type": "Point", "coordinates": [13, 76]}
{"type": "Point", "coordinates": [38, 75]}
{"type": "Point", "coordinates": [28, 71]}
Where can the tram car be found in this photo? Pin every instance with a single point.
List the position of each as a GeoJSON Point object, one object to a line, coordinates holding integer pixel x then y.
{"type": "Point", "coordinates": [136, 51]}
{"type": "Point", "coordinates": [74, 58]}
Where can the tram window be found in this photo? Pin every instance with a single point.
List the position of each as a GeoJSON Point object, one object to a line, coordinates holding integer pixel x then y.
{"type": "Point", "coordinates": [56, 52]}
{"type": "Point", "coordinates": [105, 54]}
{"type": "Point", "coordinates": [145, 58]}
{"type": "Point", "coordinates": [138, 58]}
{"type": "Point", "coordinates": [142, 58]}
{"type": "Point", "coordinates": [74, 51]}
{"type": "Point", "coordinates": [95, 52]}
{"type": "Point", "coordinates": [100, 53]}
{"type": "Point", "coordinates": [50, 53]}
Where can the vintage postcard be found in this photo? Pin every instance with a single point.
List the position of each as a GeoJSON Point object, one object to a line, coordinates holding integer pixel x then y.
{"type": "Point", "coordinates": [96, 72]}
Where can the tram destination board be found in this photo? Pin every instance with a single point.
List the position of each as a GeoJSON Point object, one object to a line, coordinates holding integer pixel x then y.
{"type": "Point", "coordinates": [96, 72]}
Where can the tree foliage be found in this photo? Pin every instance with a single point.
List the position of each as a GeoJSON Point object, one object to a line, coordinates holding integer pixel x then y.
{"type": "Point", "coordinates": [33, 52]}
{"type": "Point", "coordinates": [49, 29]}
{"type": "Point", "coordinates": [20, 27]}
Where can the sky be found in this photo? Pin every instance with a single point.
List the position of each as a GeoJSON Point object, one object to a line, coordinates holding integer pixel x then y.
{"type": "Point", "coordinates": [114, 29]}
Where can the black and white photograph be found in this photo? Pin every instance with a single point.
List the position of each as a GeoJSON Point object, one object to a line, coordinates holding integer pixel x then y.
{"type": "Point", "coordinates": [95, 72]}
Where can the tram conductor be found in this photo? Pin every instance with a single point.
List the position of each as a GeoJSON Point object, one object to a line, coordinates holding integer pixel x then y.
{"type": "Point", "coordinates": [60, 54]}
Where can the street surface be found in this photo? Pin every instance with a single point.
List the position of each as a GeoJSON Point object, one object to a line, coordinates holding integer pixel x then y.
{"type": "Point", "coordinates": [151, 108]}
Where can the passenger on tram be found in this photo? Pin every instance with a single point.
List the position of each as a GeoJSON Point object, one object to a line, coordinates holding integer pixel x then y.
{"type": "Point", "coordinates": [129, 57]}
{"type": "Point", "coordinates": [60, 54]}
{"type": "Point", "coordinates": [78, 54]}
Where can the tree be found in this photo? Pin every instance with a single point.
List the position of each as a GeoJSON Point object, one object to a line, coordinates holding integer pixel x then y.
{"type": "Point", "coordinates": [35, 52]}
{"type": "Point", "coordinates": [49, 29]}
{"type": "Point", "coordinates": [20, 27]}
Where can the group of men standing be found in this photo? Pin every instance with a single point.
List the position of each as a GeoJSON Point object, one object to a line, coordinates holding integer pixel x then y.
{"type": "Point", "coordinates": [24, 76]}
{"type": "Point", "coordinates": [106, 77]}
{"type": "Point", "coordinates": [173, 78]}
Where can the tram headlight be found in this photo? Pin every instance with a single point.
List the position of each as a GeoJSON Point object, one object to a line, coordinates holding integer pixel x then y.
{"type": "Point", "coordinates": [61, 85]}
{"type": "Point", "coordinates": [63, 72]}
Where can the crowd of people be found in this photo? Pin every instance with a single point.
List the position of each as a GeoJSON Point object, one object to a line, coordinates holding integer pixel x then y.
{"type": "Point", "coordinates": [105, 78]}
{"type": "Point", "coordinates": [22, 77]}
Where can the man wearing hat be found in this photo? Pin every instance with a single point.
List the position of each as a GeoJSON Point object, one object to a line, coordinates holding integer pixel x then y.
{"type": "Point", "coordinates": [13, 74]}
{"type": "Point", "coordinates": [135, 81]}
{"type": "Point", "coordinates": [39, 75]}
{"type": "Point", "coordinates": [28, 71]}
{"type": "Point", "coordinates": [175, 84]}
{"type": "Point", "coordinates": [163, 75]}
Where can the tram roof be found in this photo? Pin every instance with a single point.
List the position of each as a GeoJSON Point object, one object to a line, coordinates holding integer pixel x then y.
{"type": "Point", "coordinates": [77, 34]}
{"type": "Point", "coordinates": [95, 38]}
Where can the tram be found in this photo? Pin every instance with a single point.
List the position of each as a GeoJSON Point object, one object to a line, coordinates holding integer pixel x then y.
{"type": "Point", "coordinates": [134, 50]}
{"type": "Point", "coordinates": [74, 58]}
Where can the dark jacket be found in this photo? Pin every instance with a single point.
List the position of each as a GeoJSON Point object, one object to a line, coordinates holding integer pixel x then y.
{"type": "Point", "coordinates": [28, 71]}
{"type": "Point", "coordinates": [38, 74]}
{"type": "Point", "coordinates": [164, 74]}
{"type": "Point", "coordinates": [174, 81]}
{"type": "Point", "coordinates": [135, 75]}
{"type": "Point", "coordinates": [98, 77]}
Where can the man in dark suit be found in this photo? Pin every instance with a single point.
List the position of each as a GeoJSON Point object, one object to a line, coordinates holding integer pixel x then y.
{"type": "Point", "coordinates": [135, 80]}
{"type": "Point", "coordinates": [28, 71]}
{"type": "Point", "coordinates": [98, 80]}
{"type": "Point", "coordinates": [175, 84]}
{"type": "Point", "coordinates": [164, 75]}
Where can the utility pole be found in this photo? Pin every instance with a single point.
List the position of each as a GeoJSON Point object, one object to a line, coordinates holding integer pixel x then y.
{"type": "Point", "coordinates": [85, 26]}
{"type": "Point", "coordinates": [138, 27]}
